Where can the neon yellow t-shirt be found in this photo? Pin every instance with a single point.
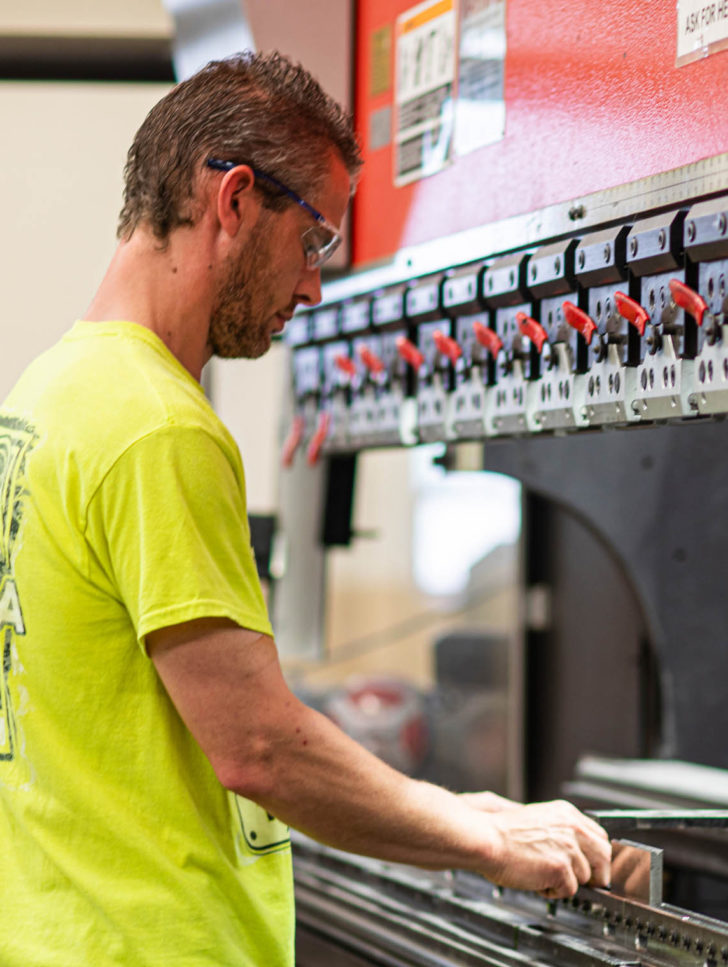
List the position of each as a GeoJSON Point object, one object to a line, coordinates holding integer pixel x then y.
{"type": "Point", "coordinates": [122, 510]}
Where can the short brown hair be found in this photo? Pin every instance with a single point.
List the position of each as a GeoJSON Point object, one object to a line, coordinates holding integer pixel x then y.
{"type": "Point", "coordinates": [258, 109]}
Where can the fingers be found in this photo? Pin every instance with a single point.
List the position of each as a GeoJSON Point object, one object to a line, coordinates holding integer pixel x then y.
{"type": "Point", "coordinates": [573, 870]}
{"type": "Point", "coordinates": [593, 843]}
{"type": "Point", "coordinates": [551, 848]}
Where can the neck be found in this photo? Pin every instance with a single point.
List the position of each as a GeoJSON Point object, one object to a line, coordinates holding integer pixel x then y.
{"type": "Point", "coordinates": [168, 290]}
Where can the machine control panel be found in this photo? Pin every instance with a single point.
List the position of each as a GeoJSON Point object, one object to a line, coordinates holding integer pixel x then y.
{"type": "Point", "coordinates": [624, 324]}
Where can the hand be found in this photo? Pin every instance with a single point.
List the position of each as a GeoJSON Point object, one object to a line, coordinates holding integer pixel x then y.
{"type": "Point", "coordinates": [549, 847]}
{"type": "Point", "coordinates": [488, 802]}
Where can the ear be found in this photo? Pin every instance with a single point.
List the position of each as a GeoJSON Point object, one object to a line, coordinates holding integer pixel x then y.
{"type": "Point", "coordinates": [237, 206]}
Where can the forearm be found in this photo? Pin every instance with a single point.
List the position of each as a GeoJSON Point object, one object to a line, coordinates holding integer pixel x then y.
{"type": "Point", "coordinates": [322, 782]}
{"type": "Point", "coordinates": [267, 746]}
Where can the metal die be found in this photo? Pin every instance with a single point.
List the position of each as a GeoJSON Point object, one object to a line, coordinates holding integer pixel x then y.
{"type": "Point", "coordinates": [363, 426]}
{"type": "Point", "coordinates": [473, 371]}
{"type": "Point", "coordinates": [434, 381]}
{"type": "Point", "coordinates": [461, 290]}
{"type": "Point", "coordinates": [388, 306]}
{"type": "Point", "coordinates": [712, 285]}
{"type": "Point", "coordinates": [298, 330]}
{"type": "Point", "coordinates": [356, 316]}
{"type": "Point", "coordinates": [710, 388]}
{"type": "Point", "coordinates": [325, 324]}
{"type": "Point", "coordinates": [505, 407]}
{"type": "Point", "coordinates": [504, 281]}
{"type": "Point", "coordinates": [554, 319]}
{"type": "Point", "coordinates": [376, 409]}
{"type": "Point", "coordinates": [655, 245]}
{"type": "Point", "coordinates": [556, 401]}
{"type": "Point", "coordinates": [551, 269]}
{"type": "Point", "coordinates": [711, 364]}
{"type": "Point", "coordinates": [556, 397]}
{"type": "Point", "coordinates": [609, 389]}
{"type": "Point", "coordinates": [306, 365]}
{"type": "Point", "coordinates": [422, 299]}
{"type": "Point", "coordinates": [665, 376]}
{"type": "Point", "coordinates": [337, 380]}
{"type": "Point", "coordinates": [306, 372]}
{"type": "Point", "coordinates": [600, 258]}
{"type": "Point", "coordinates": [706, 230]}
{"type": "Point", "coordinates": [611, 379]}
{"type": "Point", "coordinates": [396, 411]}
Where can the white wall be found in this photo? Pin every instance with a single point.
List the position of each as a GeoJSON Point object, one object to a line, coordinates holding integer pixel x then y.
{"type": "Point", "coordinates": [98, 18]}
{"type": "Point", "coordinates": [64, 147]}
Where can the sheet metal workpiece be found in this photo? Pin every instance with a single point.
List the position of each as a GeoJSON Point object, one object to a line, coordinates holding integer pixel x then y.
{"type": "Point", "coordinates": [400, 916]}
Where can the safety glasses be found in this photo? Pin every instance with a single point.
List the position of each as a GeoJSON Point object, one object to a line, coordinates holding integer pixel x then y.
{"type": "Point", "coordinates": [320, 241]}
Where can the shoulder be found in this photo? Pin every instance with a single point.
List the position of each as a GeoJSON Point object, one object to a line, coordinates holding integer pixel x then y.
{"type": "Point", "coordinates": [111, 390]}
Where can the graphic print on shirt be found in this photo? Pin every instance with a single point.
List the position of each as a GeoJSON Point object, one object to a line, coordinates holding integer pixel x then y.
{"type": "Point", "coordinates": [262, 832]}
{"type": "Point", "coordinates": [16, 440]}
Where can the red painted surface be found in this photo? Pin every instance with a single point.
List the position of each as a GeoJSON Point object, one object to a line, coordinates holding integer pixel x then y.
{"type": "Point", "coordinates": [593, 100]}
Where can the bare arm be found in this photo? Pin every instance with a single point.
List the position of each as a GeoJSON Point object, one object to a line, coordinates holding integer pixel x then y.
{"type": "Point", "coordinates": [268, 746]}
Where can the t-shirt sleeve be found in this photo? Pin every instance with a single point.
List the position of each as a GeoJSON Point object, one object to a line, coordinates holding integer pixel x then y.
{"type": "Point", "coordinates": [168, 526]}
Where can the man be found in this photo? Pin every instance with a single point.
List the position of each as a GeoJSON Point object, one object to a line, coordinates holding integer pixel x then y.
{"type": "Point", "coordinates": [152, 755]}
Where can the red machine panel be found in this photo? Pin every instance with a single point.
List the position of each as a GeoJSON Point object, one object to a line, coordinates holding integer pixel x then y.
{"type": "Point", "coordinates": [593, 100]}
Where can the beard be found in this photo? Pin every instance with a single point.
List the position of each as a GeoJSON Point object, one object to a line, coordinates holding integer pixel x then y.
{"type": "Point", "coordinates": [240, 317]}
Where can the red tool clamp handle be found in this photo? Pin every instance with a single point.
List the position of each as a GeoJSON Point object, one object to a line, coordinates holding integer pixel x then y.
{"type": "Point", "coordinates": [580, 320]}
{"type": "Point", "coordinates": [689, 300]}
{"type": "Point", "coordinates": [293, 441]}
{"type": "Point", "coordinates": [317, 440]}
{"type": "Point", "coordinates": [372, 362]}
{"type": "Point", "coordinates": [532, 330]}
{"type": "Point", "coordinates": [345, 364]}
{"type": "Point", "coordinates": [488, 338]}
{"type": "Point", "coordinates": [409, 352]}
{"type": "Point", "coordinates": [447, 346]}
{"type": "Point", "coordinates": [632, 311]}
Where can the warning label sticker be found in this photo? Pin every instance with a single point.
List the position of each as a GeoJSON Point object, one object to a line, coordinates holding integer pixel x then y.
{"type": "Point", "coordinates": [480, 112]}
{"type": "Point", "coordinates": [702, 29]}
{"type": "Point", "coordinates": [426, 59]}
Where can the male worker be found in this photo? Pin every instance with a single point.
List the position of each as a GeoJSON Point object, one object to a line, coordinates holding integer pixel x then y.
{"type": "Point", "coordinates": [151, 754]}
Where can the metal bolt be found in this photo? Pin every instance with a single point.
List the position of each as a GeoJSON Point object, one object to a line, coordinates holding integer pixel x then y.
{"type": "Point", "coordinates": [607, 252]}
{"type": "Point", "coordinates": [661, 238]}
{"type": "Point", "coordinates": [633, 247]}
{"type": "Point", "coordinates": [534, 271]}
{"type": "Point", "coordinates": [512, 277]}
{"type": "Point", "coordinates": [722, 223]}
{"type": "Point", "coordinates": [690, 230]}
{"type": "Point", "coordinates": [557, 264]}
{"type": "Point", "coordinates": [582, 259]}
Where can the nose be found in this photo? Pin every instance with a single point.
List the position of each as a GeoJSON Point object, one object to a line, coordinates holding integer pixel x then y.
{"type": "Point", "coordinates": [308, 289]}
